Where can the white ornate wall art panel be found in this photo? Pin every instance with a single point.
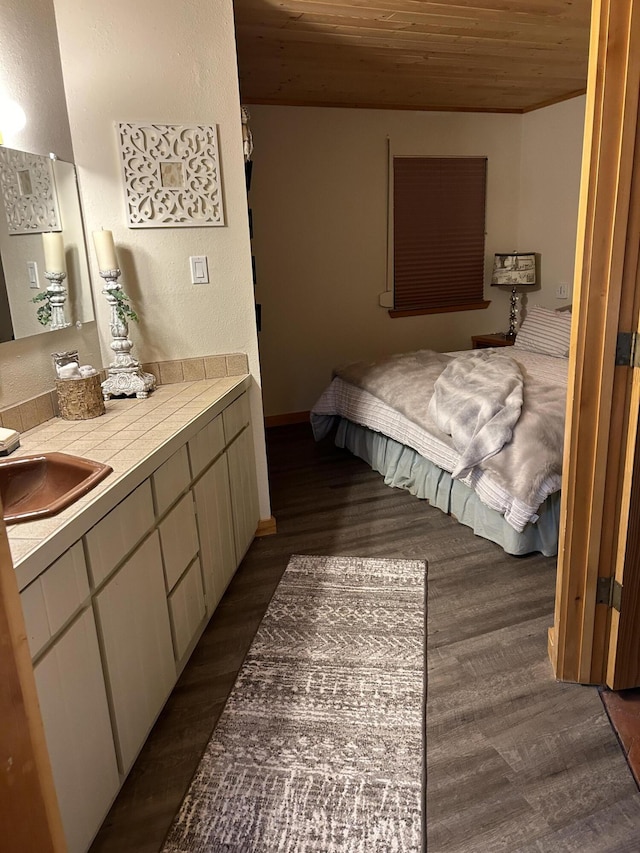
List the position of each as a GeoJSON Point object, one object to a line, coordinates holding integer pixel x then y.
{"type": "Point", "coordinates": [171, 175]}
{"type": "Point", "coordinates": [28, 192]}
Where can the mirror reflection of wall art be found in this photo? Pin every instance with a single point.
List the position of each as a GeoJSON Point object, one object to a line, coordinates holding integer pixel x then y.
{"type": "Point", "coordinates": [171, 175]}
{"type": "Point", "coordinates": [28, 192]}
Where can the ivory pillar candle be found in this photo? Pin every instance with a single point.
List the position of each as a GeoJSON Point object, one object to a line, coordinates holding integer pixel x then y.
{"type": "Point", "coordinates": [53, 245]}
{"type": "Point", "coordinates": [105, 250]}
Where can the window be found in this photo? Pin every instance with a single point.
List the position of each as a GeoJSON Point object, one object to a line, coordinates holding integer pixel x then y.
{"type": "Point", "coordinates": [438, 234]}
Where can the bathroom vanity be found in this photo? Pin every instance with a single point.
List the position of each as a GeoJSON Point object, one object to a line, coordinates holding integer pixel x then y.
{"type": "Point", "coordinates": [117, 589]}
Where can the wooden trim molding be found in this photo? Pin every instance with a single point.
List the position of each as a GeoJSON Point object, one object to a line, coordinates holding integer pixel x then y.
{"type": "Point", "coordinates": [29, 815]}
{"type": "Point", "coordinates": [266, 527]}
{"type": "Point", "coordinates": [594, 449]}
{"type": "Point", "coordinates": [445, 309]}
{"type": "Point", "coordinates": [551, 101]}
{"type": "Point", "coordinates": [301, 102]}
{"type": "Point", "coordinates": [287, 419]}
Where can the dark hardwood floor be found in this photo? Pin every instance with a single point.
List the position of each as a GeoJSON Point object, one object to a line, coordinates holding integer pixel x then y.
{"type": "Point", "coordinates": [515, 761]}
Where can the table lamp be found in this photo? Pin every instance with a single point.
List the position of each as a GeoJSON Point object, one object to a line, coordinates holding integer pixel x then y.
{"type": "Point", "coordinates": [514, 270]}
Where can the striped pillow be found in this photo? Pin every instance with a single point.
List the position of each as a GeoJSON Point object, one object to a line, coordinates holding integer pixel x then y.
{"type": "Point", "coordinates": [545, 330]}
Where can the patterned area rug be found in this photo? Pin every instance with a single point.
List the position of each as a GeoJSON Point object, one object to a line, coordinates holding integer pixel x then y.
{"type": "Point", "coordinates": [320, 747]}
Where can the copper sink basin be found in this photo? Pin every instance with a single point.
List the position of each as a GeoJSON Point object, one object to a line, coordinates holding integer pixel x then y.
{"type": "Point", "coordinates": [43, 484]}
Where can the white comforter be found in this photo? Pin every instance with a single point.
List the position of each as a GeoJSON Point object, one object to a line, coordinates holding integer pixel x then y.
{"type": "Point", "coordinates": [516, 480]}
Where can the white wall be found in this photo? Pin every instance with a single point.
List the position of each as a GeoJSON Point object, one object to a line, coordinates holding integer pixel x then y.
{"type": "Point", "coordinates": [171, 63]}
{"type": "Point", "coordinates": [549, 189]}
{"type": "Point", "coordinates": [319, 201]}
{"type": "Point", "coordinates": [30, 74]}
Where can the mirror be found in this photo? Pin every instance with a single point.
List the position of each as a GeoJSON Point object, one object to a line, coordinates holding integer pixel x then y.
{"type": "Point", "coordinates": [39, 195]}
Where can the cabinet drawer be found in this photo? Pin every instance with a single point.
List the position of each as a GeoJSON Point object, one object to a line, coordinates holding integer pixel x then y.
{"type": "Point", "coordinates": [236, 417]}
{"type": "Point", "coordinates": [179, 539]}
{"type": "Point", "coordinates": [115, 535]}
{"type": "Point", "coordinates": [51, 600]}
{"type": "Point", "coordinates": [206, 445]}
{"type": "Point", "coordinates": [170, 480]}
{"type": "Point", "coordinates": [187, 609]}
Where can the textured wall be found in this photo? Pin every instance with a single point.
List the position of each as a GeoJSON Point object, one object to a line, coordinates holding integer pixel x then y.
{"type": "Point", "coordinates": [170, 63]}
{"type": "Point", "coordinates": [549, 190]}
{"type": "Point", "coordinates": [319, 200]}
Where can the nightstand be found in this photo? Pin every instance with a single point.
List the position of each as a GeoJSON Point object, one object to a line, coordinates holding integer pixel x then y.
{"type": "Point", "coordinates": [499, 339]}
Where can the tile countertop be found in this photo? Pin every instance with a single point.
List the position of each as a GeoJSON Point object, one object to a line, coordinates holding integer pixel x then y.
{"type": "Point", "coordinates": [134, 437]}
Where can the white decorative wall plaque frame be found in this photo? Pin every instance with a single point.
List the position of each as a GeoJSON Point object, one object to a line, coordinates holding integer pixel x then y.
{"type": "Point", "coordinates": [171, 175]}
{"type": "Point", "coordinates": [28, 192]}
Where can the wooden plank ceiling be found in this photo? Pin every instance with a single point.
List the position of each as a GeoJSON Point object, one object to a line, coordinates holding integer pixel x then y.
{"type": "Point", "coordinates": [489, 55]}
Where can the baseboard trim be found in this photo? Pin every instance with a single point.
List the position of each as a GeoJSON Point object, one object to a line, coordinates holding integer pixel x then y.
{"type": "Point", "coordinates": [266, 526]}
{"type": "Point", "coordinates": [286, 419]}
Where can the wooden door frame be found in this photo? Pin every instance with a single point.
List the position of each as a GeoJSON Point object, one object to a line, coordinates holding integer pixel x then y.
{"type": "Point", "coordinates": [29, 814]}
{"type": "Point", "coordinates": [597, 437]}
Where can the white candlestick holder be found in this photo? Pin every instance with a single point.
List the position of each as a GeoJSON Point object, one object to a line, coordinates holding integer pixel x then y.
{"type": "Point", "coordinates": [57, 297]}
{"type": "Point", "coordinates": [125, 375]}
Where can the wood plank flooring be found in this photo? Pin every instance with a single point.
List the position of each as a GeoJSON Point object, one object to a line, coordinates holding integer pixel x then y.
{"type": "Point", "coordinates": [515, 761]}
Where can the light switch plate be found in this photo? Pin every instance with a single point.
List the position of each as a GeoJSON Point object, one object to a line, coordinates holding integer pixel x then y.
{"type": "Point", "coordinates": [199, 269]}
{"type": "Point", "coordinates": [32, 272]}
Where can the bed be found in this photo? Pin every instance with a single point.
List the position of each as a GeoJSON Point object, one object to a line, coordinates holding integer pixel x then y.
{"type": "Point", "coordinates": [476, 433]}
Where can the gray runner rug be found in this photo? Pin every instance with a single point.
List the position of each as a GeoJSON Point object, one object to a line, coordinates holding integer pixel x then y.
{"type": "Point", "coordinates": [320, 747]}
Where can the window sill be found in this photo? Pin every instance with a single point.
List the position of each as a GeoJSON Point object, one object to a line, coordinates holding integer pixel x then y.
{"type": "Point", "coordinates": [444, 309]}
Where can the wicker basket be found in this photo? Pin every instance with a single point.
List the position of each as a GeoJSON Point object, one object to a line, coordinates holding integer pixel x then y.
{"type": "Point", "coordinates": [80, 399]}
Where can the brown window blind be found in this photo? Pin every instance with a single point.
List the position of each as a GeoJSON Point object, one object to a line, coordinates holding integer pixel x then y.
{"type": "Point", "coordinates": [438, 232]}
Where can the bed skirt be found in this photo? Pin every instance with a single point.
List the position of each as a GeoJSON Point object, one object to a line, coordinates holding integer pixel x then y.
{"type": "Point", "coordinates": [404, 468]}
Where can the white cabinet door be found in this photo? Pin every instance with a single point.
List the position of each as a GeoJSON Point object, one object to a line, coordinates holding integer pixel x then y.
{"type": "Point", "coordinates": [75, 714]}
{"type": "Point", "coordinates": [244, 491]}
{"type": "Point", "coordinates": [187, 610]}
{"type": "Point", "coordinates": [137, 650]}
{"type": "Point", "coordinates": [215, 525]}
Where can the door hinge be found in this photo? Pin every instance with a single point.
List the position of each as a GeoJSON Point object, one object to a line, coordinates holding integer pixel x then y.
{"type": "Point", "coordinates": [628, 349]}
{"type": "Point", "coordinates": [609, 592]}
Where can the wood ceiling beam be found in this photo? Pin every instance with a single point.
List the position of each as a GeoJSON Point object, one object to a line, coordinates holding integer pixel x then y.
{"type": "Point", "coordinates": [424, 24]}
{"type": "Point", "coordinates": [550, 12]}
{"type": "Point", "coordinates": [426, 37]}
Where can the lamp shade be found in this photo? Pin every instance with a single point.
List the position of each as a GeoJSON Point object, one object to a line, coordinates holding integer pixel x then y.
{"type": "Point", "coordinates": [514, 269]}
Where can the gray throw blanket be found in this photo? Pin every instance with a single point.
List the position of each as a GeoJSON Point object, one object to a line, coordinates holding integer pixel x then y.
{"type": "Point", "coordinates": [404, 381]}
{"type": "Point", "coordinates": [477, 401]}
{"type": "Point", "coordinates": [528, 467]}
